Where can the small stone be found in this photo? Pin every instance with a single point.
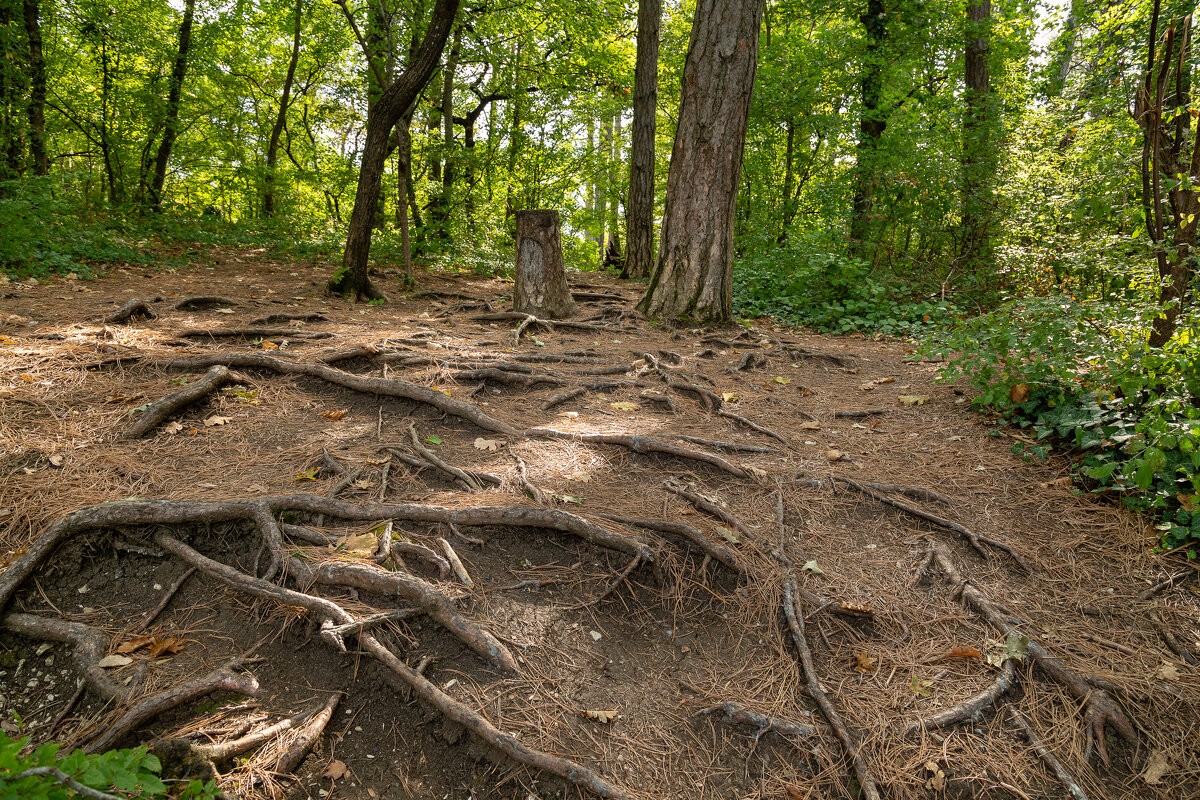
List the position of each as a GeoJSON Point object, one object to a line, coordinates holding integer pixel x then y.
{"type": "Point", "coordinates": [596, 636]}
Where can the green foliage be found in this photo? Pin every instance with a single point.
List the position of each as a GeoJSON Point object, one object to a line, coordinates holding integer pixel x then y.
{"type": "Point", "coordinates": [1080, 378]}
{"type": "Point", "coordinates": [131, 773]}
{"type": "Point", "coordinates": [829, 292]}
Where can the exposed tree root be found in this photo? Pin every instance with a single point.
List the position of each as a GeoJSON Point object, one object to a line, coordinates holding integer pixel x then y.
{"type": "Point", "coordinates": [738, 714]}
{"type": "Point", "coordinates": [750, 360]}
{"type": "Point", "coordinates": [708, 398]}
{"type": "Point", "coordinates": [456, 563]}
{"type": "Point", "coordinates": [223, 751]}
{"type": "Point", "coordinates": [1100, 710]}
{"type": "Point", "coordinates": [733, 447]}
{"type": "Point", "coordinates": [251, 333]}
{"type": "Point", "coordinates": [159, 410]}
{"type": "Point", "coordinates": [508, 377]}
{"type": "Point", "coordinates": [754, 426]}
{"type": "Point", "coordinates": [534, 493]}
{"type": "Point", "coordinates": [644, 445]}
{"type": "Point", "coordinates": [133, 308]}
{"type": "Point", "coordinates": [90, 645]}
{"type": "Point", "coordinates": [570, 394]}
{"type": "Point", "coordinates": [386, 387]}
{"type": "Point", "coordinates": [420, 464]}
{"type": "Point", "coordinates": [1164, 633]}
{"type": "Point", "coordinates": [869, 412]}
{"type": "Point", "coordinates": [275, 319]}
{"type": "Point", "coordinates": [692, 536]}
{"type": "Point", "coordinates": [1151, 591]}
{"type": "Point", "coordinates": [704, 504]}
{"type": "Point", "coordinates": [915, 492]}
{"type": "Point", "coordinates": [153, 613]}
{"type": "Point", "coordinates": [470, 481]}
{"type": "Point", "coordinates": [201, 301]}
{"type": "Point", "coordinates": [1044, 753]}
{"type": "Point", "coordinates": [223, 679]}
{"type": "Point", "coordinates": [977, 541]}
{"type": "Point", "coordinates": [971, 708]}
{"type": "Point", "coordinates": [307, 737]}
{"type": "Point", "coordinates": [529, 319]}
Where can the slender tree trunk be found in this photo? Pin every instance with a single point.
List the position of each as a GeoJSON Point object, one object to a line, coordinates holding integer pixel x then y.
{"type": "Point", "coordinates": [979, 163]}
{"type": "Point", "coordinates": [693, 276]}
{"type": "Point", "coordinates": [403, 180]}
{"type": "Point", "coordinates": [593, 193]}
{"type": "Point", "coordinates": [602, 181]}
{"type": "Point", "coordinates": [614, 188]}
{"type": "Point", "coordinates": [789, 177]}
{"type": "Point", "coordinates": [352, 279]}
{"type": "Point", "coordinates": [37, 90]}
{"type": "Point", "coordinates": [174, 95]}
{"type": "Point", "coordinates": [12, 135]}
{"type": "Point", "coordinates": [281, 117]}
{"type": "Point", "coordinates": [442, 217]}
{"type": "Point", "coordinates": [639, 208]}
{"type": "Point", "coordinates": [871, 125]}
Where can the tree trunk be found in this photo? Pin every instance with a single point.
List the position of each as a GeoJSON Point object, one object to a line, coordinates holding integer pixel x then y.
{"type": "Point", "coordinates": [541, 280]}
{"type": "Point", "coordinates": [979, 162]}
{"type": "Point", "coordinates": [171, 128]}
{"type": "Point", "coordinates": [37, 90]}
{"type": "Point", "coordinates": [281, 117]}
{"type": "Point", "coordinates": [12, 138]}
{"type": "Point", "coordinates": [602, 187]}
{"type": "Point", "coordinates": [693, 276]}
{"type": "Point", "coordinates": [871, 125]}
{"type": "Point", "coordinates": [441, 220]}
{"type": "Point", "coordinates": [352, 279]}
{"type": "Point", "coordinates": [403, 179]}
{"type": "Point", "coordinates": [614, 190]}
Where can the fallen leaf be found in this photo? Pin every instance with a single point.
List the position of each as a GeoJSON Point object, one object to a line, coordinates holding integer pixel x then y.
{"type": "Point", "coordinates": [570, 498]}
{"type": "Point", "coordinates": [1156, 768]}
{"type": "Point", "coordinates": [222, 310]}
{"type": "Point", "coordinates": [134, 644]}
{"type": "Point", "coordinates": [173, 427]}
{"type": "Point", "coordinates": [1019, 393]}
{"type": "Point", "coordinates": [810, 426]}
{"type": "Point", "coordinates": [432, 439]}
{"type": "Point", "coordinates": [1186, 501]}
{"type": "Point", "coordinates": [1065, 480]}
{"type": "Point", "coordinates": [268, 345]}
{"type": "Point", "coordinates": [307, 475]}
{"type": "Point", "coordinates": [920, 687]}
{"type": "Point", "coordinates": [730, 397]}
{"type": "Point", "coordinates": [603, 717]}
{"type": "Point", "coordinates": [28, 379]}
{"type": "Point", "coordinates": [55, 460]}
{"type": "Point", "coordinates": [167, 645]}
{"type": "Point", "coordinates": [538, 342]}
{"type": "Point", "coordinates": [335, 413]}
{"type": "Point", "coordinates": [215, 420]}
{"type": "Point", "coordinates": [729, 535]}
{"type": "Point", "coordinates": [913, 399]}
{"type": "Point", "coordinates": [759, 474]}
{"type": "Point", "coordinates": [362, 544]}
{"type": "Point", "coordinates": [863, 662]}
{"type": "Point", "coordinates": [834, 455]}
{"type": "Point", "coordinates": [490, 445]}
{"type": "Point", "coordinates": [963, 652]}
{"type": "Point", "coordinates": [781, 380]}
{"type": "Point", "coordinates": [108, 662]}
{"type": "Point", "coordinates": [335, 770]}
{"type": "Point", "coordinates": [813, 567]}
{"type": "Point", "coordinates": [625, 406]}
{"type": "Point", "coordinates": [1013, 647]}
{"type": "Point", "coordinates": [869, 386]}
{"type": "Point", "coordinates": [1167, 672]}
{"type": "Point", "coordinates": [5, 394]}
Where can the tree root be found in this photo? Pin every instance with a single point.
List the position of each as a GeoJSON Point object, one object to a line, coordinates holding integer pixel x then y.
{"type": "Point", "coordinates": [692, 536]}
{"type": "Point", "coordinates": [1151, 591]}
{"type": "Point", "coordinates": [1100, 710]}
{"type": "Point", "coordinates": [470, 481]}
{"type": "Point", "coordinates": [153, 613]}
{"type": "Point", "coordinates": [223, 751]}
{"type": "Point", "coordinates": [869, 412]}
{"type": "Point", "coordinates": [644, 445]}
{"type": "Point", "coordinates": [754, 426]}
{"type": "Point", "coordinates": [529, 319]}
{"type": "Point", "coordinates": [1164, 633]}
{"type": "Point", "coordinates": [307, 736]}
{"type": "Point", "coordinates": [251, 333]}
{"type": "Point", "coordinates": [420, 464]}
{"type": "Point", "coordinates": [90, 645]}
{"type": "Point", "coordinates": [915, 492]}
{"type": "Point", "coordinates": [456, 564]}
{"type": "Point", "coordinates": [223, 679]}
{"type": "Point", "coordinates": [738, 714]}
{"type": "Point", "coordinates": [733, 447]}
{"type": "Point", "coordinates": [534, 493]}
{"type": "Point", "coordinates": [508, 377]}
{"type": "Point", "coordinates": [977, 541]}
{"type": "Point", "coordinates": [275, 319]}
{"type": "Point", "coordinates": [1044, 753]}
{"type": "Point", "coordinates": [201, 301]}
{"type": "Point", "coordinates": [612, 587]}
{"type": "Point", "coordinates": [159, 410]}
{"type": "Point", "coordinates": [133, 308]}
{"type": "Point", "coordinates": [381, 386]}
{"type": "Point", "coordinates": [707, 506]}
{"type": "Point", "coordinates": [970, 709]}
{"type": "Point", "coordinates": [570, 394]}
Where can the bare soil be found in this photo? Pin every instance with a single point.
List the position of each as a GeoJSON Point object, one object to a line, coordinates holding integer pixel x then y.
{"type": "Point", "coordinates": [612, 672]}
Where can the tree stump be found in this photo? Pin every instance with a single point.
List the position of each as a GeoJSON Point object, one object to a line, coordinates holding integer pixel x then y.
{"type": "Point", "coordinates": [541, 286]}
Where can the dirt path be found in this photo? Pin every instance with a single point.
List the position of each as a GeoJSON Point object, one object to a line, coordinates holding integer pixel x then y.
{"type": "Point", "coordinates": [440, 562]}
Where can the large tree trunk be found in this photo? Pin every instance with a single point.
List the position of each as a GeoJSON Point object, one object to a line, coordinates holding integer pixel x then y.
{"type": "Point", "coordinates": [639, 208]}
{"type": "Point", "coordinates": [871, 125]}
{"type": "Point", "coordinates": [37, 90]}
{"type": "Point", "coordinates": [979, 162]}
{"type": "Point", "coordinates": [693, 277]}
{"type": "Point", "coordinates": [352, 279]}
{"type": "Point", "coordinates": [174, 95]}
{"type": "Point", "coordinates": [281, 117]}
{"type": "Point", "coordinates": [541, 287]}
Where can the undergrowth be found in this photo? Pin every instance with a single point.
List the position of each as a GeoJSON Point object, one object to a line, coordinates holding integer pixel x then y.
{"type": "Point", "coordinates": [46, 774]}
{"type": "Point", "coordinates": [1081, 379]}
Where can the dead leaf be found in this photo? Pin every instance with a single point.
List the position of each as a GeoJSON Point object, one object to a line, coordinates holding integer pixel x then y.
{"type": "Point", "coordinates": [173, 427]}
{"type": "Point", "coordinates": [730, 397]}
{"type": "Point", "coordinates": [268, 345]}
{"type": "Point", "coordinates": [759, 474]}
{"type": "Point", "coordinates": [834, 455]}
{"type": "Point", "coordinates": [569, 498]}
{"type": "Point", "coordinates": [1065, 480]}
{"type": "Point", "coordinates": [335, 770]}
{"type": "Point", "coordinates": [108, 662]}
{"type": "Point", "coordinates": [938, 780]}
{"type": "Point", "coordinates": [222, 310]}
{"type": "Point", "coordinates": [490, 445]}
{"type": "Point", "coordinates": [167, 645]}
{"type": "Point", "coordinates": [335, 413]}
{"type": "Point", "coordinates": [55, 460]}
{"type": "Point", "coordinates": [363, 544]}
{"type": "Point", "coordinates": [729, 535]}
{"type": "Point", "coordinates": [913, 399]}
{"type": "Point", "coordinates": [781, 380]}
{"type": "Point", "coordinates": [215, 420]}
{"type": "Point", "coordinates": [963, 652]}
{"type": "Point", "coordinates": [1013, 647]}
{"type": "Point", "coordinates": [1186, 501]}
{"type": "Point", "coordinates": [307, 475]}
{"type": "Point", "coordinates": [625, 406]}
{"type": "Point", "coordinates": [810, 426]}
{"type": "Point", "coordinates": [869, 386]}
{"type": "Point", "coordinates": [863, 662]}
{"type": "Point", "coordinates": [920, 687]}
{"type": "Point", "coordinates": [813, 567]}
{"type": "Point", "coordinates": [134, 644]}
{"type": "Point", "coordinates": [603, 717]}
{"type": "Point", "coordinates": [1167, 672]}
{"type": "Point", "coordinates": [1019, 393]}
{"type": "Point", "coordinates": [1156, 768]}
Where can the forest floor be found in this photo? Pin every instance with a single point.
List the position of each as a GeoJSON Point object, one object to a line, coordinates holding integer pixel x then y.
{"type": "Point", "coordinates": [805, 556]}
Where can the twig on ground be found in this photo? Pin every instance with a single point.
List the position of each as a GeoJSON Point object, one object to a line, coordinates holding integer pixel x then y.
{"type": "Point", "coordinates": [738, 714]}
{"type": "Point", "coordinates": [534, 493]}
{"type": "Point", "coordinates": [153, 613]}
{"type": "Point", "coordinates": [307, 737]}
{"type": "Point", "coordinates": [1164, 633]}
{"type": "Point", "coordinates": [1044, 753]}
{"type": "Point", "coordinates": [754, 426]}
{"type": "Point", "coordinates": [347, 479]}
{"type": "Point", "coordinates": [621, 577]}
{"type": "Point", "coordinates": [223, 751]}
{"type": "Point", "coordinates": [470, 481]}
{"type": "Point", "coordinates": [1151, 591]}
{"type": "Point", "coordinates": [455, 563]}
{"type": "Point", "coordinates": [707, 506]}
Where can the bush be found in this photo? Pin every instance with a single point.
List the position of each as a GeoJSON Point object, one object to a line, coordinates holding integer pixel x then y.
{"type": "Point", "coordinates": [131, 773]}
{"type": "Point", "coordinates": [1080, 378]}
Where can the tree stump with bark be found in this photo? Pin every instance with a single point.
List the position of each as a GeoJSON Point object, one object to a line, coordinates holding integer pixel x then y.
{"type": "Point", "coordinates": [541, 285]}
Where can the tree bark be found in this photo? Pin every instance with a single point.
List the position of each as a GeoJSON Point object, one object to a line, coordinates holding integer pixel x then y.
{"type": "Point", "coordinates": [381, 118]}
{"type": "Point", "coordinates": [979, 163]}
{"type": "Point", "coordinates": [693, 277]}
{"type": "Point", "coordinates": [37, 90]}
{"type": "Point", "coordinates": [871, 125]}
{"type": "Point", "coordinates": [281, 117]}
{"type": "Point", "coordinates": [602, 187]}
{"type": "Point", "coordinates": [614, 190]}
{"type": "Point", "coordinates": [174, 95]}
{"type": "Point", "coordinates": [541, 281]}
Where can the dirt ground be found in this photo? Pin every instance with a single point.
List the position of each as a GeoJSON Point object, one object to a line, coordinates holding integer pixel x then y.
{"type": "Point", "coordinates": [619, 635]}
